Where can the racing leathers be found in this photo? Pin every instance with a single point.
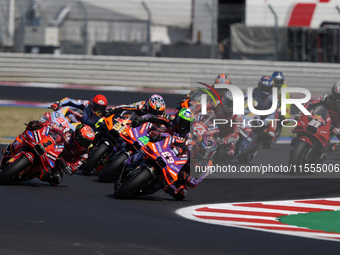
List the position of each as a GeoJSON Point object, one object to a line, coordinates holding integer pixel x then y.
{"type": "Point", "coordinates": [88, 117]}
{"type": "Point", "coordinates": [181, 146]}
{"type": "Point", "coordinates": [229, 132]}
{"type": "Point", "coordinates": [69, 160]}
{"type": "Point", "coordinates": [264, 101]}
{"type": "Point", "coordinates": [326, 100]}
{"type": "Point", "coordinates": [139, 108]}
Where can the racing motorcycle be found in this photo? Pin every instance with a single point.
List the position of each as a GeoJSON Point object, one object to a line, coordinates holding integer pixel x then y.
{"type": "Point", "coordinates": [311, 141]}
{"type": "Point", "coordinates": [263, 136]}
{"type": "Point", "coordinates": [108, 130]}
{"type": "Point", "coordinates": [262, 123]}
{"type": "Point", "coordinates": [206, 133]}
{"type": "Point", "coordinates": [134, 139]}
{"type": "Point", "coordinates": [69, 117]}
{"type": "Point", "coordinates": [154, 167]}
{"type": "Point", "coordinates": [35, 153]}
{"type": "Point", "coordinates": [205, 144]}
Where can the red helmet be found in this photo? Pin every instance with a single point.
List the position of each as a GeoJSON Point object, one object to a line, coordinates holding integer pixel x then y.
{"type": "Point", "coordinates": [222, 79]}
{"type": "Point", "coordinates": [156, 105]}
{"type": "Point", "coordinates": [98, 105]}
{"type": "Point", "coordinates": [83, 136]}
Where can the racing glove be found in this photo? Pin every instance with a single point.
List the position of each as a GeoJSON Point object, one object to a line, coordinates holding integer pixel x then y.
{"type": "Point", "coordinates": [108, 112]}
{"type": "Point", "coordinates": [298, 116]}
{"type": "Point", "coordinates": [154, 136]}
{"type": "Point", "coordinates": [68, 170]}
{"type": "Point", "coordinates": [137, 122]}
{"type": "Point", "coordinates": [231, 138]}
{"type": "Point", "coordinates": [184, 176]}
{"type": "Point", "coordinates": [62, 165]}
{"type": "Point", "coordinates": [336, 131]}
{"type": "Point", "coordinates": [55, 106]}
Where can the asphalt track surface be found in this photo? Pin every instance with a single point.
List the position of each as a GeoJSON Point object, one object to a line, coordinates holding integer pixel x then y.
{"type": "Point", "coordinates": [81, 216]}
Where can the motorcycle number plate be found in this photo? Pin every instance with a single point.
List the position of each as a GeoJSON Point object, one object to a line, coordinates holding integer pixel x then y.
{"type": "Point", "coordinates": [144, 139]}
{"type": "Point", "coordinates": [314, 123]}
{"type": "Point", "coordinates": [118, 127]}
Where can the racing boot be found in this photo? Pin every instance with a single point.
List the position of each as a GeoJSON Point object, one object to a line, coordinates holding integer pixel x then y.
{"type": "Point", "coordinates": [53, 177]}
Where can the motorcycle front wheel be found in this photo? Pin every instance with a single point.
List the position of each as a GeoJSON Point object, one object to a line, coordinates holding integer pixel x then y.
{"type": "Point", "coordinates": [139, 179]}
{"type": "Point", "coordinates": [113, 168]}
{"type": "Point", "coordinates": [98, 153]}
{"type": "Point", "coordinates": [300, 154]}
{"type": "Point", "coordinates": [10, 174]}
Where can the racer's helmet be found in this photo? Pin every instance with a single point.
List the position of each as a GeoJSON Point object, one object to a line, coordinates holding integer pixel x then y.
{"type": "Point", "coordinates": [83, 137]}
{"type": "Point", "coordinates": [221, 79]}
{"type": "Point", "coordinates": [265, 84]}
{"type": "Point", "coordinates": [227, 102]}
{"type": "Point", "coordinates": [335, 95]}
{"type": "Point", "coordinates": [155, 105]}
{"type": "Point", "coordinates": [98, 105]}
{"type": "Point", "coordinates": [278, 79]}
{"type": "Point", "coordinates": [183, 119]}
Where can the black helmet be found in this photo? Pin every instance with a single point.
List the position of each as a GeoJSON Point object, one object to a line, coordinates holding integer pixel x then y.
{"type": "Point", "coordinates": [183, 119]}
{"type": "Point", "coordinates": [278, 79]}
{"type": "Point", "coordinates": [336, 95]}
{"type": "Point", "coordinates": [265, 84]}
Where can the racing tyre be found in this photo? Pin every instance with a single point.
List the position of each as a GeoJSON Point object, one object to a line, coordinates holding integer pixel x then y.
{"type": "Point", "coordinates": [278, 131]}
{"type": "Point", "coordinates": [98, 153]}
{"type": "Point", "coordinates": [268, 144]}
{"type": "Point", "coordinates": [246, 158]}
{"type": "Point", "coordinates": [134, 184]}
{"type": "Point", "coordinates": [300, 154]}
{"type": "Point", "coordinates": [9, 175]}
{"type": "Point", "coordinates": [113, 168]}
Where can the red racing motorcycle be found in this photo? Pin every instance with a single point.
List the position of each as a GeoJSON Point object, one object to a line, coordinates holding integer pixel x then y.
{"type": "Point", "coordinates": [33, 154]}
{"type": "Point", "coordinates": [312, 136]}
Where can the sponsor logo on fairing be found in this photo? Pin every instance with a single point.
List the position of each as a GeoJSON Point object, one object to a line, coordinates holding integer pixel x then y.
{"type": "Point", "coordinates": [36, 137]}
{"type": "Point", "coordinates": [51, 157]}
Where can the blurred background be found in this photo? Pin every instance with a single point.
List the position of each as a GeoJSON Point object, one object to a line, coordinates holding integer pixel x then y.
{"type": "Point", "coordinates": [220, 29]}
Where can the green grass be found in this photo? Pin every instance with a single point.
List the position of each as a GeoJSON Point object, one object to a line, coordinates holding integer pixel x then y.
{"type": "Point", "coordinates": [286, 132]}
{"type": "Point", "coordinates": [12, 120]}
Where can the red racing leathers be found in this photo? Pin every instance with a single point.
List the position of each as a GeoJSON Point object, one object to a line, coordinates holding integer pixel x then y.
{"type": "Point", "coordinates": [326, 100]}
{"type": "Point", "coordinates": [69, 160]}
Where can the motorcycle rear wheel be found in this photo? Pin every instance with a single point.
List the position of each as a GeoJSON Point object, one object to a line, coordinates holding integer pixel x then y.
{"type": "Point", "coordinates": [97, 154]}
{"type": "Point", "coordinates": [9, 175]}
{"type": "Point", "coordinates": [247, 157]}
{"type": "Point", "coordinates": [134, 184]}
{"type": "Point", "coordinates": [113, 168]}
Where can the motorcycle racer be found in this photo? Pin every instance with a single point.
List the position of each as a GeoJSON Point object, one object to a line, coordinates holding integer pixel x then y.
{"type": "Point", "coordinates": [279, 82]}
{"type": "Point", "coordinates": [263, 100]}
{"type": "Point", "coordinates": [179, 127]}
{"type": "Point", "coordinates": [155, 105]}
{"type": "Point", "coordinates": [176, 125]}
{"type": "Point", "coordinates": [332, 103]}
{"type": "Point", "coordinates": [74, 153]}
{"type": "Point", "coordinates": [92, 109]}
{"type": "Point", "coordinates": [228, 134]}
